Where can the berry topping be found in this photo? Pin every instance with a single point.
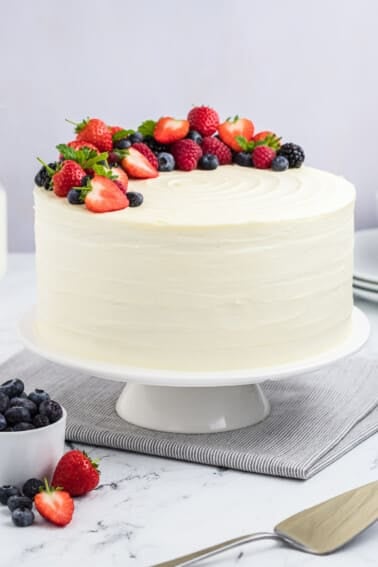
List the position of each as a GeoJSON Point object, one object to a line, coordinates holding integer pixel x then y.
{"type": "Point", "coordinates": [44, 175]}
{"type": "Point", "coordinates": [195, 136]}
{"type": "Point", "coordinates": [154, 145]}
{"type": "Point", "coordinates": [50, 408]}
{"type": "Point", "coordinates": [166, 161]}
{"type": "Point", "coordinates": [267, 138]}
{"type": "Point", "coordinates": [3, 423]}
{"type": "Point", "coordinates": [79, 145]}
{"type": "Point", "coordinates": [137, 165]}
{"type": "Point", "coordinates": [136, 137]}
{"type": "Point", "coordinates": [186, 153]}
{"type": "Point", "coordinates": [169, 130]}
{"type": "Point", "coordinates": [203, 119]}
{"type": "Point", "coordinates": [216, 147]}
{"type": "Point", "coordinates": [262, 157]}
{"type": "Point", "coordinates": [16, 501]}
{"type": "Point", "coordinates": [147, 152]}
{"type": "Point", "coordinates": [40, 420]}
{"type": "Point", "coordinates": [280, 163]}
{"type": "Point", "coordinates": [22, 517]}
{"type": "Point", "coordinates": [103, 196]}
{"type": "Point", "coordinates": [293, 153]}
{"type": "Point", "coordinates": [23, 403]}
{"type": "Point", "coordinates": [234, 127]}
{"type": "Point", "coordinates": [76, 473]}
{"type": "Point", "coordinates": [120, 177]}
{"type": "Point", "coordinates": [208, 161]}
{"type": "Point", "coordinates": [31, 487]}
{"type": "Point", "coordinates": [68, 176]}
{"type": "Point", "coordinates": [7, 491]}
{"type": "Point", "coordinates": [135, 199]}
{"type": "Point", "coordinates": [4, 402]}
{"type": "Point", "coordinates": [12, 388]}
{"type": "Point", "coordinates": [95, 132]}
{"type": "Point", "coordinates": [37, 396]}
{"type": "Point", "coordinates": [122, 144]}
{"type": "Point", "coordinates": [75, 197]}
{"type": "Point", "coordinates": [54, 505]}
{"type": "Point", "coordinates": [243, 158]}
{"type": "Point", "coordinates": [17, 415]}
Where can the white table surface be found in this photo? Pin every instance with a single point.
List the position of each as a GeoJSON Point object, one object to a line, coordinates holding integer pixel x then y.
{"type": "Point", "coordinates": [150, 509]}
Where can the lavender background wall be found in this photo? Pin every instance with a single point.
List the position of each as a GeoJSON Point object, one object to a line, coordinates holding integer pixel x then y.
{"type": "Point", "coordinates": [308, 70]}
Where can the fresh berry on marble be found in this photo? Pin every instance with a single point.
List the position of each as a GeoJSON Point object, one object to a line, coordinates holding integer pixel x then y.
{"type": "Point", "coordinates": [31, 487]}
{"type": "Point", "coordinates": [18, 501]}
{"type": "Point", "coordinates": [195, 136]}
{"type": "Point", "coordinates": [23, 517]}
{"type": "Point", "coordinates": [187, 154]}
{"type": "Point", "coordinates": [38, 395]}
{"type": "Point", "coordinates": [12, 388]}
{"type": "Point", "coordinates": [76, 473]}
{"type": "Point", "coordinates": [168, 130]}
{"type": "Point", "coordinates": [51, 409]}
{"type": "Point", "coordinates": [204, 120]}
{"type": "Point", "coordinates": [262, 157]}
{"type": "Point", "coordinates": [280, 163]}
{"type": "Point", "coordinates": [293, 153]}
{"type": "Point", "coordinates": [233, 128]}
{"type": "Point", "coordinates": [211, 145]}
{"type": "Point", "coordinates": [208, 162]}
{"type": "Point", "coordinates": [147, 152]}
{"type": "Point", "coordinates": [135, 198]}
{"type": "Point", "coordinates": [166, 161]}
{"type": "Point", "coordinates": [7, 491]}
{"type": "Point", "coordinates": [54, 505]}
{"type": "Point", "coordinates": [243, 159]}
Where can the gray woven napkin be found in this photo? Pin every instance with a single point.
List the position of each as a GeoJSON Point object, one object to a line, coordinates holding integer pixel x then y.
{"type": "Point", "coordinates": [314, 419]}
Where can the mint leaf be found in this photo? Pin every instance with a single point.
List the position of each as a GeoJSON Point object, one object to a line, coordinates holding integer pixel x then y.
{"type": "Point", "coordinates": [147, 127]}
{"type": "Point", "coordinates": [244, 144]}
{"type": "Point", "coordinates": [66, 151]}
{"type": "Point", "coordinates": [122, 134]}
{"type": "Point", "coordinates": [100, 169]}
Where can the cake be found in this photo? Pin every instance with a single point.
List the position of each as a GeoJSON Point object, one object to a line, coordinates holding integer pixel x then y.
{"type": "Point", "coordinates": [220, 269]}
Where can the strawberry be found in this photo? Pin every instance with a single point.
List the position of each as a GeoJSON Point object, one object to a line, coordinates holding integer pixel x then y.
{"type": "Point", "coordinates": [68, 176]}
{"type": "Point", "coordinates": [204, 120]}
{"type": "Point", "coordinates": [121, 177]}
{"type": "Point", "coordinates": [76, 473]}
{"type": "Point", "coordinates": [232, 128]}
{"type": "Point", "coordinates": [114, 129]}
{"type": "Point", "coordinates": [136, 165]}
{"type": "Point", "coordinates": [96, 132]}
{"type": "Point", "coordinates": [169, 130]}
{"type": "Point", "coordinates": [103, 196]}
{"type": "Point", "coordinates": [214, 146]}
{"type": "Point", "coordinates": [77, 145]}
{"type": "Point", "coordinates": [262, 157]}
{"type": "Point", "coordinates": [186, 154]}
{"type": "Point", "coordinates": [147, 152]}
{"type": "Point", "coordinates": [267, 138]}
{"type": "Point", "coordinates": [55, 505]}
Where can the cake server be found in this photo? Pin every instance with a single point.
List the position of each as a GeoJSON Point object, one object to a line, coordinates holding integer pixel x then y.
{"type": "Point", "coordinates": [322, 529]}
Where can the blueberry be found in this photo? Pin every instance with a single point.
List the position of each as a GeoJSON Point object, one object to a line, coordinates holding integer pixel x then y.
{"type": "Point", "coordinates": [50, 409]}
{"type": "Point", "coordinates": [208, 161]}
{"type": "Point", "coordinates": [3, 422]}
{"type": "Point", "coordinates": [195, 136]}
{"type": "Point", "coordinates": [37, 396]}
{"type": "Point", "coordinates": [12, 388]}
{"type": "Point", "coordinates": [22, 426]}
{"type": "Point", "coordinates": [16, 501]}
{"type": "Point", "coordinates": [40, 420]}
{"type": "Point", "coordinates": [166, 161]}
{"type": "Point", "coordinates": [243, 158]}
{"type": "Point", "coordinates": [41, 177]}
{"type": "Point", "coordinates": [136, 137]}
{"type": "Point", "coordinates": [74, 197]}
{"type": "Point", "coordinates": [22, 517]}
{"type": "Point", "coordinates": [4, 402]}
{"type": "Point", "coordinates": [85, 180]}
{"type": "Point", "coordinates": [280, 163]}
{"type": "Point", "coordinates": [17, 415]}
{"type": "Point", "coordinates": [31, 487]}
{"type": "Point", "coordinates": [122, 144]}
{"type": "Point", "coordinates": [135, 199]}
{"type": "Point", "coordinates": [7, 491]}
{"type": "Point", "coordinates": [23, 403]}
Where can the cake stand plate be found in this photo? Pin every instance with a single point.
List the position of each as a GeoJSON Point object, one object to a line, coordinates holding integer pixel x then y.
{"type": "Point", "coordinates": [194, 402]}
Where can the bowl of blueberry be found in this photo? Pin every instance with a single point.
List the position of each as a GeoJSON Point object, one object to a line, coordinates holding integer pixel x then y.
{"type": "Point", "coordinates": [32, 433]}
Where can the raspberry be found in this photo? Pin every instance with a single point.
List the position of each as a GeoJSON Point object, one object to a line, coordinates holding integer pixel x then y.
{"type": "Point", "coordinates": [204, 120]}
{"type": "Point", "coordinates": [147, 152]}
{"type": "Point", "coordinates": [186, 154]}
{"type": "Point", "coordinates": [262, 157]}
{"type": "Point", "coordinates": [217, 148]}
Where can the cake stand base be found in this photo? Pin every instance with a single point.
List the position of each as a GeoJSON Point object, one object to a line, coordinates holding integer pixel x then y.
{"type": "Point", "coordinates": [194, 410]}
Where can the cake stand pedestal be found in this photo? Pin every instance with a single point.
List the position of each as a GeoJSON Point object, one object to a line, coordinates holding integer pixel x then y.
{"type": "Point", "coordinates": [195, 402]}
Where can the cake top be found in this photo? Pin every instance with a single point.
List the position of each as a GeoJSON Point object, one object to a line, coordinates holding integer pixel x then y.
{"type": "Point", "coordinates": [228, 195]}
{"type": "Point", "coordinates": [110, 168]}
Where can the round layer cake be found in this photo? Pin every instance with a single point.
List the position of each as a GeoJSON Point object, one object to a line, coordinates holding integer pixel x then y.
{"type": "Point", "coordinates": [235, 268]}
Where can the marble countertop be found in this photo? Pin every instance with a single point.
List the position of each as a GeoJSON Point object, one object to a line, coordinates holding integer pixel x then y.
{"type": "Point", "coordinates": [150, 509]}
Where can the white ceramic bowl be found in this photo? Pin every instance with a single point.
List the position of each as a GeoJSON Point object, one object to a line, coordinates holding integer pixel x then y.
{"type": "Point", "coordinates": [31, 454]}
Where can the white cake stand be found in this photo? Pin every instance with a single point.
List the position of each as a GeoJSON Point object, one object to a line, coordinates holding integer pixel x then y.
{"type": "Point", "coordinates": [195, 402]}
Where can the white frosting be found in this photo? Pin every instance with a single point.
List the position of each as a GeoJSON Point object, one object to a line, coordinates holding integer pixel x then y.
{"type": "Point", "coordinates": [3, 232]}
{"type": "Point", "coordinates": [233, 268]}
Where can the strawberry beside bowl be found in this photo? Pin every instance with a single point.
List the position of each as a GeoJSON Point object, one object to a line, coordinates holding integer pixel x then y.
{"type": "Point", "coordinates": [32, 434]}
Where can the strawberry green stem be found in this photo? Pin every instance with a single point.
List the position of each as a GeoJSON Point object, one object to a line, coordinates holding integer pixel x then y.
{"type": "Point", "coordinates": [49, 170]}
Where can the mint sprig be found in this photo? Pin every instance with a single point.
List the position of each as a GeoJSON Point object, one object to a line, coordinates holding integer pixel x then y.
{"type": "Point", "coordinates": [121, 134]}
{"type": "Point", "coordinates": [85, 157]}
{"type": "Point", "coordinates": [147, 127]}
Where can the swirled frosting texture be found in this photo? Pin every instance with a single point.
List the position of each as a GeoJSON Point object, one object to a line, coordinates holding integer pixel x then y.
{"type": "Point", "coordinates": [229, 269]}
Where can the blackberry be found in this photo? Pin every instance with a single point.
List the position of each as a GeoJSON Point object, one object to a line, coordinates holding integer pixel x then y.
{"type": "Point", "coordinates": [43, 178]}
{"type": "Point", "coordinates": [243, 158]}
{"type": "Point", "coordinates": [40, 420]}
{"type": "Point", "coordinates": [293, 153]}
{"type": "Point", "coordinates": [155, 146]}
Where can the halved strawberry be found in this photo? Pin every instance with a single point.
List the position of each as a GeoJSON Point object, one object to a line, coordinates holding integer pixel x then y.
{"type": "Point", "coordinates": [121, 177]}
{"type": "Point", "coordinates": [55, 505]}
{"type": "Point", "coordinates": [234, 127]}
{"type": "Point", "coordinates": [104, 196]}
{"type": "Point", "coordinates": [169, 130]}
{"type": "Point", "coordinates": [136, 165]}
